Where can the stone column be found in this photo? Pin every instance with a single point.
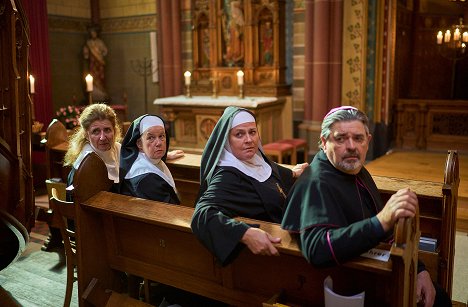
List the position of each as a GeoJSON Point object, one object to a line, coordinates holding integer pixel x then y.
{"type": "Point", "coordinates": [322, 75]}
{"type": "Point", "coordinates": [177, 77]}
{"type": "Point", "coordinates": [169, 48]}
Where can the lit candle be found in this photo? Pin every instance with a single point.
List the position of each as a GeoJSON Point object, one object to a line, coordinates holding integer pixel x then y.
{"type": "Point", "coordinates": [465, 37]}
{"type": "Point", "coordinates": [447, 36]}
{"type": "Point", "coordinates": [456, 34]}
{"type": "Point", "coordinates": [187, 76]}
{"type": "Point", "coordinates": [439, 38]}
{"type": "Point", "coordinates": [31, 84]}
{"type": "Point", "coordinates": [89, 83]}
{"type": "Point", "coordinates": [240, 77]}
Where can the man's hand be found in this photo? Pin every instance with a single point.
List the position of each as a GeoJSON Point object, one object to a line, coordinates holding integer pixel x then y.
{"type": "Point", "coordinates": [402, 204]}
{"type": "Point", "coordinates": [425, 291]}
{"type": "Point", "coordinates": [174, 154]}
{"type": "Point", "coordinates": [298, 169]}
{"type": "Point", "coordinates": [260, 242]}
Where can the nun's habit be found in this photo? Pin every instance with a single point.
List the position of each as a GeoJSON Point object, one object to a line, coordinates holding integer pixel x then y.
{"type": "Point", "coordinates": [141, 176]}
{"type": "Point", "coordinates": [229, 187]}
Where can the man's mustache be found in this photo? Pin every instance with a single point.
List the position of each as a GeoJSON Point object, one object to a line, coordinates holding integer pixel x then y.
{"type": "Point", "coordinates": [352, 154]}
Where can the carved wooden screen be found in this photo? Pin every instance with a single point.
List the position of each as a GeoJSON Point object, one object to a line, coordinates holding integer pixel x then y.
{"type": "Point", "coordinates": [16, 185]}
{"type": "Point", "coordinates": [233, 35]}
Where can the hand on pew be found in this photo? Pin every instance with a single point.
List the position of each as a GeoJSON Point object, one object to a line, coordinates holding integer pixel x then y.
{"type": "Point", "coordinates": [401, 204]}
{"type": "Point", "coordinates": [260, 242]}
{"type": "Point", "coordinates": [175, 154]}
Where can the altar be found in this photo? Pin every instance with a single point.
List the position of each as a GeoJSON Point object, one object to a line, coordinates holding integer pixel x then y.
{"type": "Point", "coordinates": [192, 119]}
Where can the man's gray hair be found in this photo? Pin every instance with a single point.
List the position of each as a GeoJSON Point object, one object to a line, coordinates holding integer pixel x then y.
{"type": "Point", "coordinates": [342, 114]}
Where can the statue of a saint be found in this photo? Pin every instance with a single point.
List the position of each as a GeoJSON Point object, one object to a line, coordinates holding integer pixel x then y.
{"type": "Point", "coordinates": [94, 52]}
{"type": "Point", "coordinates": [233, 22]}
{"type": "Point", "coordinates": [266, 44]}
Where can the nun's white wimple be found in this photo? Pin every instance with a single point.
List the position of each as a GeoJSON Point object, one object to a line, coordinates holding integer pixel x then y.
{"type": "Point", "coordinates": [242, 117]}
{"type": "Point", "coordinates": [148, 122]}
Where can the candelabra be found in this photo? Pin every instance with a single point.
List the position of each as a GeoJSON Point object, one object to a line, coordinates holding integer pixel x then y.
{"type": "Point", "coordinates": [144, 68]}
{"type": "Point", "coordinates": [452, 44]}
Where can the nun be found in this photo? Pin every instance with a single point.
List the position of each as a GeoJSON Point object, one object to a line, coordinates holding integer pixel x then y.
{"type": "Point", "coordinates": [237, 179]}
{"type": "Point", "coordinates": [143, 172]}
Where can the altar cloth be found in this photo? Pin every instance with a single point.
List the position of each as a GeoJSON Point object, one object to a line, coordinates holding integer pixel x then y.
{"type": "Point", "coordinates": [220, 101]}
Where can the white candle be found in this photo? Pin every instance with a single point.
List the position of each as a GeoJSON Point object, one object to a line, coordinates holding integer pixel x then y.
{"type": "Point", "coordinates": [439, 38]}
{"type": "Point", "coordinates": [465, 37]}
{"type": "Point", "coordinates": [187, 76]}
{"type": "Point", "coordinates": [456, 34]}
{"type": "Point", "coordinates": [240, 77]}
{"type": "Point", "coordinates": [31, 84]}
{"type": "Point", "coordinates": [89, 83]}
{"type": "Point", "coordinates": [447, 36]}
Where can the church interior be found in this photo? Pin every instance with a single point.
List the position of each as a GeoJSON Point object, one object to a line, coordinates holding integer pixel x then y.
{"type": "Point", "coordinates": [402, 62]}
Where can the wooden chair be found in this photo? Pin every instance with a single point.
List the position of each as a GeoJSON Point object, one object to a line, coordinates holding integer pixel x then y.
{"type": "Point", "coordinates": [279, 150]}
{"type": "Point", "coordinates": [64, 211]}
{"type": "Point", "coordinates": [56, 138]}
{"type": "Point", "coordinates": [46, 213]}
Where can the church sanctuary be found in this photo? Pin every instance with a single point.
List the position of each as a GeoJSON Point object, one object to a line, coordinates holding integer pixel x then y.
{"type": "Point", "coordinates": [78, 79]}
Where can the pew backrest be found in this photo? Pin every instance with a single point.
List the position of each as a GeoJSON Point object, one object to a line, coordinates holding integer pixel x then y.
{"type": "Point", "coordinates": [90, 178]}
{"type": "Point", "coordinates": [154, 240]}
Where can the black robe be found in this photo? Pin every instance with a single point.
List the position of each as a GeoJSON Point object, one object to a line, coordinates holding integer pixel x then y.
{"type": "Point", "coordinates": [334, 213]}
{"type": "Point", "coordinates": [149, 186]}
{"type": "Point", "coordinates": [226, 192]}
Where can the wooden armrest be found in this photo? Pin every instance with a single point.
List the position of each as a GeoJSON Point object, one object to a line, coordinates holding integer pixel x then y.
{"type": "Point", "coordinates": [406, 237]}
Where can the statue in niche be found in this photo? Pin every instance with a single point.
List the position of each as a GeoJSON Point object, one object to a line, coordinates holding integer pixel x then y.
{"type": "Point", "coordinates": [205, 47]}
{"type": "Point", "coordinates": [94, 52]}
{"type": "Point", "coordinates": [233, 33]}
{"type": "Point", "coordinates": [266, 43]}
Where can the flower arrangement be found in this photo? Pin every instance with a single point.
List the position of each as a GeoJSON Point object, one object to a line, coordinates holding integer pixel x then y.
{"type": "Point", "coordinates": [68, 116]}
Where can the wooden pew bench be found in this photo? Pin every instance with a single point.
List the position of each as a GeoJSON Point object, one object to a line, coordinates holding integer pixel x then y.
{"type": "Point", "coordinates": [154, 240]}
{"type": "Point", "coordinates": [437, 202]}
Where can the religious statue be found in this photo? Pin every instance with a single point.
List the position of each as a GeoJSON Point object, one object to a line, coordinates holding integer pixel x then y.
{"type": "Point", "coordinates": [205, 46]}
{"type": "Point", "coordinates": [94, 52]}
{"type": "Point", "coordinates": [233, 30]}
{"type": "Point", "coordinates": [266, 44]}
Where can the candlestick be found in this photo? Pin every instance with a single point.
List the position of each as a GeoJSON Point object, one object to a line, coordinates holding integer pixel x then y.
{"type": "Point", "coordinates": [465, 37]}
{"type": "Point", "coordinates": [240, 77]}
{"type": "Point", "coordinates": [89, 83]}
{"type": "Point", "coordinates": [439, 38]}
{"type": "Point", "coordinates": [31, 84]}
{"type": "Point", "coordinates": [214, 82]}
{"type": "Point", "coordinates": [187, 76]}
{"type": "Point", "coordinates": [241, 91]}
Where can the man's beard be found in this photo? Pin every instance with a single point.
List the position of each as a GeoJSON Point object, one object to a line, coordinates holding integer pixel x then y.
{"type": "Point", "coordinates": [348, 165]}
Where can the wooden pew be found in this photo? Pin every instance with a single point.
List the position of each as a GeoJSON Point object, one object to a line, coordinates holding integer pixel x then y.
{"type": "Point", "coordinates": [154, 240]}
{"type": "Point", "coordinates": [437, 201]}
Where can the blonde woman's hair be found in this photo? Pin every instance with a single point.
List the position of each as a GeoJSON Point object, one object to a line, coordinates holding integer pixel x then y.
{"type": "Point", "coordinates": [97, 111]}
